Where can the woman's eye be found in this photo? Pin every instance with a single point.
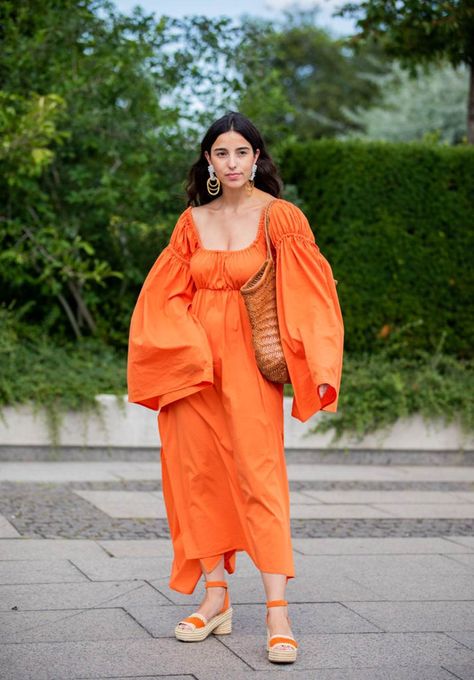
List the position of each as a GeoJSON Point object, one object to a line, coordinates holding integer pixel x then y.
{"type": "Point", "coordinates": [220, 154]}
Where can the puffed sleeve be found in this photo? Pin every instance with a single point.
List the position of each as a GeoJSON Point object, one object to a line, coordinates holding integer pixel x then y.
{"type": "Point", "coordinates": [169, 356]}
{"type": "Point", "coordinates": [310, 319]}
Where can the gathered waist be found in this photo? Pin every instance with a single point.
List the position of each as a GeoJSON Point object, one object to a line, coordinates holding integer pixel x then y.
{"type": "Point", "coordinates": [221, 289]}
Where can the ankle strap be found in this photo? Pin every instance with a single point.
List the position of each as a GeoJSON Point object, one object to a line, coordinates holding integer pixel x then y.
{"type": "Point", "coordinates": [211, 584]}
{"type": "Point", "coordinates": [276, 603]}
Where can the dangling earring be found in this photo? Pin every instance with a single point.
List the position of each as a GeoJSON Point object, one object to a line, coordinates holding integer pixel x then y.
{"type": "Point", "coordinates": [250, 183]}
{"type": "Point", "coordinates": [213, 183]}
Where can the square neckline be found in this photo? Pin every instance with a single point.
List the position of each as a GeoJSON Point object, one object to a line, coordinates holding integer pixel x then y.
{"type": "Point", "coordinates": [234, 250]}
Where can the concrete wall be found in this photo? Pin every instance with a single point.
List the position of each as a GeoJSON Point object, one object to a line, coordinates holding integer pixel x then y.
{"type": "Point", "coordinates": [121, 424]}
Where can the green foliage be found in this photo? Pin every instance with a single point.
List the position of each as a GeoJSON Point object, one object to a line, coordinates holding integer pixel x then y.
{"type": "Point", "coordinates": [51, 376]}
{"type": "Point", "coordinates": [378, 389]}
{"type": "Point", "coordinates": [100, 115]}
{"type": "Point", "coordinates": [395, 222]}
{"type": "Point", "coordinates": [96, 142]}
{"type": "Point", "coordinates": [417, 30]}
{"type": "Point", "coordinates": [298, 82]}
{"type": "Point", "coordinates": [27, 128]}
{"type": "Point", "coordinates": [431, 104]}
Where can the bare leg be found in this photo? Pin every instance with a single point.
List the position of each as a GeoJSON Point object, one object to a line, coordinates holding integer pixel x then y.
{"type": "Point", "coordinates": [275, 586]}
{"type": "Point", "coordinates": [214, 598]}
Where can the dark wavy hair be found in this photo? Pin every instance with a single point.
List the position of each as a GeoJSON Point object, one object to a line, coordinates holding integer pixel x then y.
{"type": "Point", "coordinates": [266, 178]}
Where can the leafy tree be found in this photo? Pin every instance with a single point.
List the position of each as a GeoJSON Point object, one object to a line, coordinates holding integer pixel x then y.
{"type": "Point", "coordinates": [428, 106]}
{"type": "Point", "coordinates": [33, 251]}
{"type": "Point", "coordinates": [420, 32]}
{"type": "Point", "coordinates": [91, 188]}
{"type": "Point", "coordinates": [298, 81]}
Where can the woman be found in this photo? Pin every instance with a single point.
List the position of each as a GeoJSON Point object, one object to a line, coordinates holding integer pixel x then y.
{"type": "Point", "coordinates": [191, 356]}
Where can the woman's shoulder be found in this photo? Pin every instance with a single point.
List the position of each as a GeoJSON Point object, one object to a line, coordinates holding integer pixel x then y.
{"type": "Point", "coordinates": [286, 218]}
{"type": "Point", "coordinates": [183, 238]}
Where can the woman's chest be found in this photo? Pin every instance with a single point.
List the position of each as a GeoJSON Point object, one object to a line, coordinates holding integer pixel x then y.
{"type": "Point", "coordinates": [225, 269]}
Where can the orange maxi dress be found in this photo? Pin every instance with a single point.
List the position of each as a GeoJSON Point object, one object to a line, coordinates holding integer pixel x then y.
{"type": "Point", "coordinates": [220, 421]}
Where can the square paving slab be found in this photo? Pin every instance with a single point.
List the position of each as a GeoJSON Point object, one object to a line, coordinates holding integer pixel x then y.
{"type": "Point", "coordinates": [123, 568]}
{"type": "Point", "coordinates": [57, 596]}
{"type": "Point", "coordinates": [109, 659]}
{"type": "Point", "coordinates": [126, 503]}
{"type": "Point", "coordinates": [428, 616]}
{"type": "Point", "coordinates": [39, 571]}
{"type": "Point", "coordinates": [400, 577]}
{"type": "Point", "coordinates": [359, 650]}
{"type": "Point", "coordinates": [69, 625]}
{"type": "Point", "coordinates": [49, 549]}
{"type": "Point", "coordinates": [366, 496]}
{"type": "Point", "coordinates": [385, 545]}
{"type": "Point", "coordinates": [158, 547]}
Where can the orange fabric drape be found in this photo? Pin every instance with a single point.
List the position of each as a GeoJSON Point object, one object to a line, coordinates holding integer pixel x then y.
{"type": "Point", "coordinates": [309, 314]}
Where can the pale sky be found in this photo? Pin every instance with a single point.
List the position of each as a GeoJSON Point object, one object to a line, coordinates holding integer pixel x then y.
{"type": "Point", "coordinates": [264, 8]}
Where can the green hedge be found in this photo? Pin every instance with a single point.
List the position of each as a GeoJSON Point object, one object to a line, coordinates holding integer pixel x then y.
{"type": "Point", "coordinates": [395, 220]}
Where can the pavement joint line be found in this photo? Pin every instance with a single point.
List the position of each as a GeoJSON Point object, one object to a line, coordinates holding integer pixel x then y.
{"type": "Point", "coordinates": [160, 592]}
{"type": "Point", "coordinates": [452, 540]}
{"type": "Point", "coordinates": [361, 616]}
{"type": "Point", "coordinates": [103, 548]}
{"type": "Point", "coordinates": [373, 506]}
{"type": "Point", "coordinates": [66, 617]}
{"type": "Point", "coordinates": [362, 585]}
{"type": "Point", "coordinates": [449, 556]}
{"type": "Point", "coordinates": [294, 604]}
{"type": "Point", "coordinates": [114, 597]}
{"type": "Point", "coordinates": [78, 569]}
{"type": "Point", "coordinates": [458, 677]}
{"type": "Point", "coordinates": [130, 615]}
{"type": "Point", "coordinates": [222, 642]}
{"type": "Point", "coordinates": [446, 633]}
{"type": "Point", "coordinates": [385, 601]}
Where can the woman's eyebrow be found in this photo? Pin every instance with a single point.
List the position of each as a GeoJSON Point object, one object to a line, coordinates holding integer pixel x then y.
{"type": "Point", "coordinates": [223, 148]}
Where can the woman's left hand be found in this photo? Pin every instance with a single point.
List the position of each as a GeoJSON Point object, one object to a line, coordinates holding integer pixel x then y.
{"type": "Point", "coordinates": [322, 389]}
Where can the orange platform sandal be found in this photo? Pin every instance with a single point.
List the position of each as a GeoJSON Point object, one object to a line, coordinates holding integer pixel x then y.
{"type": "Point", "coordinates": [220, 624]}
{"type": "Point", "coordinates": [275, 650]}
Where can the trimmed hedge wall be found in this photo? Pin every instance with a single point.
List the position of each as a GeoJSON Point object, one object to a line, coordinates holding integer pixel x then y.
{"type": "Point", "coordinates": [396, 222]}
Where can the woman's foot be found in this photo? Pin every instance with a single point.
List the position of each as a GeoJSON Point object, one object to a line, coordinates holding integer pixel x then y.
{"type": "Point", "coordinates": [210, 606]}
{"type": "Point", "coordinates": [277, 622]}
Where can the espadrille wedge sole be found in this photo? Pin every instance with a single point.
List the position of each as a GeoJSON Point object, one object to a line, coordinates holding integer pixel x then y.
{"type": "Point", "coordinates": [220, 624]}
{"type": "Point", "coordinates": [277, 653]}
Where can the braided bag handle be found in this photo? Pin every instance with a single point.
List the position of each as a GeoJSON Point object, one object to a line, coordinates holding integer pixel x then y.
{"type": "Point", "coordinates": [259, 294]}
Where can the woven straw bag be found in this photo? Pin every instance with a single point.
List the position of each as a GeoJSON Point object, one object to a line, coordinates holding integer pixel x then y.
{"type": "Point", "coordinates": [259, 294]}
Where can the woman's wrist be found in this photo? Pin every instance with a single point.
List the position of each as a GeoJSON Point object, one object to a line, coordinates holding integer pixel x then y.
{"type": "Point", "coordinates": [322, 389]}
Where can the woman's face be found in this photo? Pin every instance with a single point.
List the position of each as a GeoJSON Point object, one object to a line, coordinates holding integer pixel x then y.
{"type": "Point", "coordinates": [232, 157]}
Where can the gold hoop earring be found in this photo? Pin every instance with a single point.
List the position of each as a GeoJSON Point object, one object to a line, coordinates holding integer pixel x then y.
{"type": "Point", "coordinates": [213, 183]}
{"type": "Point", "coordinates": [249, 186]}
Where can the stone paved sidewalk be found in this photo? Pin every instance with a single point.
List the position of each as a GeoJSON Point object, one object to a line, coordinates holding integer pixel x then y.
{"type": "Point", "coordinates": [384, 586]}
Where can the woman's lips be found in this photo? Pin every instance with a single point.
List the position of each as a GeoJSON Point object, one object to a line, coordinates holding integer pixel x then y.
{"type": "Point", "coordinates": [234, 176]}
